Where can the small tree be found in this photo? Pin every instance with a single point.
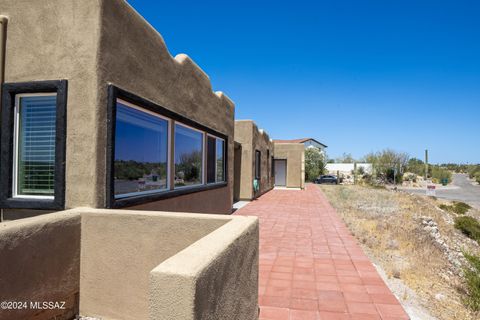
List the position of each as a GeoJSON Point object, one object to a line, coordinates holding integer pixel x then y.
{"type": "Point", "coordinates": [345, 158]}
{"type": "Point", "coordinates": [314, 164]}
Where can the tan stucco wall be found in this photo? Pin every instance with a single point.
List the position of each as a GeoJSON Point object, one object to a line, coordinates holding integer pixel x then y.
{"type": "Point", "coordinates": [39, 261]}
{"type": "Point", "coordinates": [121, 247]}
{"type": "Point", "coordinates": [294, 153]}
{"type": "Point", "coordinates": [58, 39]}
{"type": "Point", "coordinates": [214, 278]}
{"type": "Point", "coordinates": [130, 46]}
{"type": "Point", "coordinates": [252, 138]}
{"type": "Point", "coordinates": [124, 264]}
{"type": "Point", "coordinates": [92, 43]}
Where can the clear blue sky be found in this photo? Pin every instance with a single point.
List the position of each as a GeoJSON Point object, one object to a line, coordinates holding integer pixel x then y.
{"type": "Point", "coordinates": [357, 75]}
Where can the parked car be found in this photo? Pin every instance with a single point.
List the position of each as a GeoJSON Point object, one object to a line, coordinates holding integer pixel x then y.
{"type": "Point", "coordinates": [327, 179]}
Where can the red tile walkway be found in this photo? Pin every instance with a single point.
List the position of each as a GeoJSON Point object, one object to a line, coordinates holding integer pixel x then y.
{"type": "Point", "coordinates": [311, 267]}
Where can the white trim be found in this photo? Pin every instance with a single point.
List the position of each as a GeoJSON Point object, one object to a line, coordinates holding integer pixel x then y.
{"type": "Point", "coordinates": [16, 121]}
{"type": "Point", "coordinates": [169, 150]}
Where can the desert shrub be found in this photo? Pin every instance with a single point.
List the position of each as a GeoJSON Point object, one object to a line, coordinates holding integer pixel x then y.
{"type": "Point", "coordinates": [461, 207]}
{"type": "Point", "coordinates": [445, 207]}
{"type": "Point", "coordinates": [456, 207]}
{"type": "Point", "coordinates": [408, 176]}
{"type": "Point", "coordinates": [469, 226]}
{"type": "Point", "coordinates": [473, 171]}
{"type": "Point", "coordinates": [416, 166]}
{"type": "Point", "coordinates": [472, 279]}
{"type": "Point", "coordinates": [361, 171]}
{"type": "Point", "coordinates": [439, 174]}
{"type": "Point", "coordinates": [477, 177]}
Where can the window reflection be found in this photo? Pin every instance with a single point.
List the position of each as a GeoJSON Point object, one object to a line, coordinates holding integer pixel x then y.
{"type": "Point", "coordinates": [188, 156]}
{"type": "Point", "coordinates": [141, 151]}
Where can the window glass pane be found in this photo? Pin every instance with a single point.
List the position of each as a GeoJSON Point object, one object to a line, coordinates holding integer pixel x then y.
{"type": "Point", "coordinates": [188, 156]}
{"type": "Point", "coordinates": [220, 160]}
{"type": "Point", "coordinates": [141, 151]}
{"type": "Point", "coordinates": [211, 159]}
{"type": "Point", "coordinates": [257, 164]}
{"type": "Point", "coordinates": [36, 145]}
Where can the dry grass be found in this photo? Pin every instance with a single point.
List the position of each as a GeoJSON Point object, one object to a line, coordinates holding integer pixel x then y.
{"type": "Point", "coordinates": [391, 228]}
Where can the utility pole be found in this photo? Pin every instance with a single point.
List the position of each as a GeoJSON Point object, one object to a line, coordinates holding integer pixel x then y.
{"type": "Point", "coordinates": [355, 172]}
{"type": "Point", "coordinates": [426, 165]}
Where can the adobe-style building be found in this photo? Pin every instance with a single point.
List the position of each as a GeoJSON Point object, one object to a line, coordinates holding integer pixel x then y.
{"type": "Point", "coordinates": [97, 116]}
{"type": "Point", "coordinates": [253, 161]}
{"type": "Point", "coordinates": [289, 164]}
{"type": "Point", "coordinates": [97, 113]}
{"type": "Point", "coordinates": [289, 161]}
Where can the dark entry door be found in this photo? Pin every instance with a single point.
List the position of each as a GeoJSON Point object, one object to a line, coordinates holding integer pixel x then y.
{"type": "Point", "coordinates": [280, 172]}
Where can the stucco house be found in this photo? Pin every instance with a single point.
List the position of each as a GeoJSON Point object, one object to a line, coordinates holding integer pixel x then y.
{"type": "Point", "coordinates": [253, 161]}
{"type": "Point", "coordinates": [101, 130]}
{"type": "Point", "coordinates": [93, 102]}
{"type": "Point", "coordinates": [289, 161]}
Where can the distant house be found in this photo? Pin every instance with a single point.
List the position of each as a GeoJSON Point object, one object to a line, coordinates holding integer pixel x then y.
{"type": "Point", "coordinates": [307, 142]}
{"type": "Point", "coordinates": [347, 168]}
{"type": "Point", "coordinates": [289, 161]}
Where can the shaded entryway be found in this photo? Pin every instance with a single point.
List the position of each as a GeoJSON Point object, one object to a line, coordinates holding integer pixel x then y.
{"type": "Point", "coordinates": [280, 167]}
{"type": "Point", "coordinates": [311, 267]}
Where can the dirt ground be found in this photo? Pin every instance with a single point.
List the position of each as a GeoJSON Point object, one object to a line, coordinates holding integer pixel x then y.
{"type": "Point", "coordinates": [414, 243]}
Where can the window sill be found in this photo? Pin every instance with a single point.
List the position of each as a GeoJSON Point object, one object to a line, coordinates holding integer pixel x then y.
{"type": "Point", "coordinates": [29, 203]}
{"type": "Point", "coordinates": [137, 200]}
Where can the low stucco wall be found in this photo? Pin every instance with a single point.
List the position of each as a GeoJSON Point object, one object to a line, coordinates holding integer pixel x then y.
{"type": "Point", "coordinates": [119, 264]}
{"type": "Point", "coordinates": [214, 278]}
{"type": "Point", "coordinates": [120, 248]}
{"type": "Point", "coordinates": [39, 262]}
{"type": "Point", "coordinates": [294, 153]}
{"type": "Point", "coordinates": [251, 138]}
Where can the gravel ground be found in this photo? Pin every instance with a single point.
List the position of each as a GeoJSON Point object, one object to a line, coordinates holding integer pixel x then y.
{"type": "Point", "coordinates": [413, 243]}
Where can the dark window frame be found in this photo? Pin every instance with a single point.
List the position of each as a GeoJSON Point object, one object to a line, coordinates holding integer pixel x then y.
{"type": "Point", "coordinates": [258, 175]}
{"type": "Point", "coordinates": [272, 167]}
{"type": "Point", "coordinates": [9, 92]}
{"type": "Point", "coordinates": [224, 160]}
{"type": "Point", "coordinates": [115, 93]}
{"type": "Point", "coordinates": [215, 158]}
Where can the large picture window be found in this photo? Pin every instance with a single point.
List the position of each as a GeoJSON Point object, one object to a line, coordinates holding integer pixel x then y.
{"type": "Point", "coordinates": [33, 145]}
{"type": "Point", "coordinates": [154, 153]}
{"type": "Point", "coordinates": [188, 156]}
{"type": "Point", "coordinates": [141, 151]}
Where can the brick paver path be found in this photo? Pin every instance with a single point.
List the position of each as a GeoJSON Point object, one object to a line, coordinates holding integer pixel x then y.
{"type": "Point", "coordinates": [311, 267]}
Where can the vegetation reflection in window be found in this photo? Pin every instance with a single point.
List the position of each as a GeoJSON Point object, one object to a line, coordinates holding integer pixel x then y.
{"type": "Point", "coordinates": [220, 160]}
{"type": "Point", "coordinates": [188, 156]}
{"type": "Point", "coordinates": [141, 152]}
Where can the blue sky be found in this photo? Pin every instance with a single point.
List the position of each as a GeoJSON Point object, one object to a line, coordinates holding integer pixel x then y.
{"type": "Point", "coordinates": [359, 76]}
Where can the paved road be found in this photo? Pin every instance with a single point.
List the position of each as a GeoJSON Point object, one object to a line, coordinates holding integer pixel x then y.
{"type": "Point", "coordinates": [465, 192]}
